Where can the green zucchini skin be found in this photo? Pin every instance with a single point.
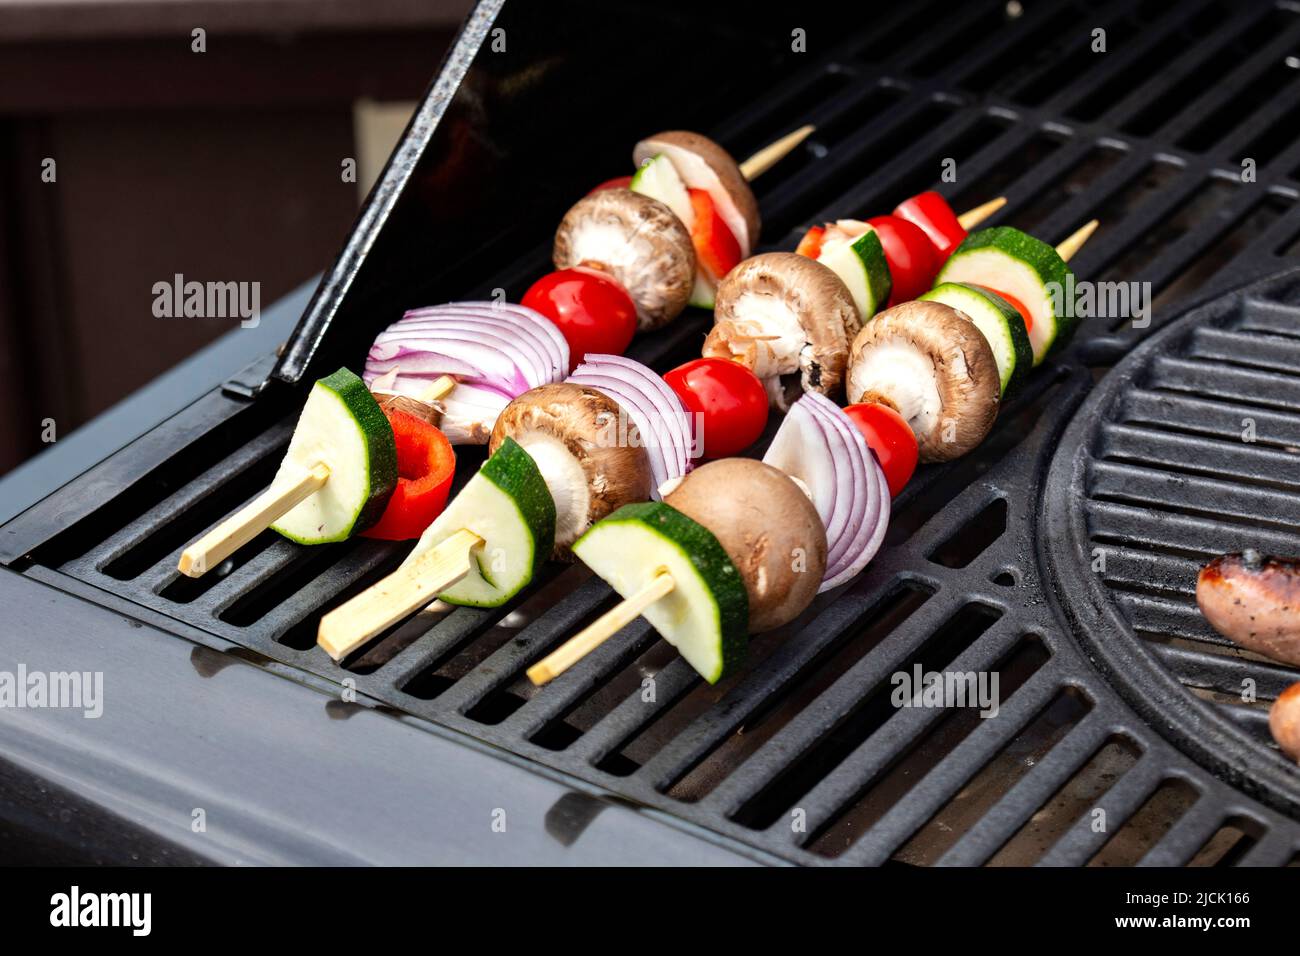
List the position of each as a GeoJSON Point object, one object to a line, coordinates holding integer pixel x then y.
{"type": "Point", "coordinates": [1044, 260]}
{"type": "Point", "coordinates": [380, 449]}
{"type": "Point", "coordinates": [710, 562]}
{"type": "Point", "coordinates": [1022, 352]}
{"type": "Point", "coordinates": [868, 248]}
{"type": "Point", "coordinates": [381, 446]}
{"type": "Point", "coordinates": [513, 471]}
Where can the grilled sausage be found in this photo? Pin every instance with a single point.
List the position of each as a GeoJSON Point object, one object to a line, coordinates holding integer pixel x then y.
{"type": "Point", "coordinates": [1255, 601]}
{"type": "Point", "coordinates": [1284, 721]}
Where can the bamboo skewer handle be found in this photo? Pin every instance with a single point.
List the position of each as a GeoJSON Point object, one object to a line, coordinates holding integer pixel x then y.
{"type": "Point", "coordinates": [973, 217]}
{"type": "Point", "coordinates": [440, 388]}
{"type": "Point", "coordinates": [773, 153]}
{"type": "Point", "coordinates": [1070, 247]}
{"type": "Point", "coordinates": [409, 588]}
{"type": "Point", "coordinates": [250, 521]}
{"type": "Point", "coordinates": [600, 630]}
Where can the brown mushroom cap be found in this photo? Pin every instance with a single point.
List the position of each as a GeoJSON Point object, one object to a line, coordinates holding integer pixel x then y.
{"type": "Point", "coordinates": [394, 401]}
{"type": "Point", "coordinates": [728, 173]}
{"type": "Point", "coordinates": [637, 240]}
{"type": "Point", "coordinates": [768, 527]}
{"type": "Point", "coordinates": [820, 303]}
{"type": "Point", "coordinates": [1284, 721]}
{"type": "Point", "coordinates": [932, 365]}
{"type": "Point", "coordinates": [569, 430]}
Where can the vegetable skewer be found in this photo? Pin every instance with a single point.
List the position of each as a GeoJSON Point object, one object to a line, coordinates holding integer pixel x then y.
{"type": "Point", "coordinates": [250, 521]}
{"type": "Point", "coordinates": [409, 588]}
{"type": "Point", "coordinates": [564, 456]}
{"type": "Point", "coordinates": [481, 551]}
{"type": "Point", "coordinates": [600, 630]}
{"type": "Point", "coordinates": [853, 514]}
{"type": "Point", "coordinates": [334, 481]}
{"type": "Point", "coordinates": [773, 153]}
{"type": "Point", "coordinates": [973, 217]}
{"type": "Point", "coordinates": [706, 567]}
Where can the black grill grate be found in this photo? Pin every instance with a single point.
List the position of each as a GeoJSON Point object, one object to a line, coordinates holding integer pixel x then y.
{"type": "Point", "coordinates": [1149, 137]}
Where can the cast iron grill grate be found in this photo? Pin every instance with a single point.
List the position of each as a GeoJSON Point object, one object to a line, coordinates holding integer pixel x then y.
{"type": "Point", "coordinates": [802, 757]}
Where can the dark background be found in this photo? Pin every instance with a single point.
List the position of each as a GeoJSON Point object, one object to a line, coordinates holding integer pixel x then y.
{"type": "Point", "coordinates": [222, 166]}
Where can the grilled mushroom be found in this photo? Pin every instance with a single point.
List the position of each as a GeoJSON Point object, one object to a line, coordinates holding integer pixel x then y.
{"type": "Point", "coordinates": [782, 561]}
{"type": "Point", "coordinates": [780, 313]}
{"type": "Point", "coordinates": [571, 432]}
{"type": "Point", "coordinates": [934, 367]}
{"type": "Point", "coordinates": [1284, 721]}
{"type": "Point", "coordinates": [703, 164]}
{"type": "Point", "coordinates": [637, 240]}
{"type": "Point", "coordinates": [1255, 601]}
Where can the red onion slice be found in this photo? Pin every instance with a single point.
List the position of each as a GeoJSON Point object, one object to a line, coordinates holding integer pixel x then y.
{"type": "Point", "coordinates": [666, 400]}
{"type": "Point", "coordinates": [529, 320]}
{"type": "Point", "coordinates": [522, 335]}
{"type": "Point", "coordinates": [801, 450]}
{"type": "Point", "coordinates": [849, 463]}
{"type": "Point", "coordinates": [496, 351]}
{"type": "Point", "coordinates": [526, 356]}
{"type": "Point", "coordinates": [873, 518]}
{"type": "Point", "coordinates": [818, 444]}
{"type": "Point", "coordinates": [643, 413]}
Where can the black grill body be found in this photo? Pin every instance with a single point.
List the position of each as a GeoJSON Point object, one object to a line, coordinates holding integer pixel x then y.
{"type": "Point", "coordinates": [1114, 694]}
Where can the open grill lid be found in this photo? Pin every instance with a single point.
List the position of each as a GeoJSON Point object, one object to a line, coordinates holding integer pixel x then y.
{"type": "Point", "coordinates": [487, 156]}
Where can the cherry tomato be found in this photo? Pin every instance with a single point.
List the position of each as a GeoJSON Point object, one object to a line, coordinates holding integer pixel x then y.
{"type": "Point", "coordinates": [1015, 304]}
{"type": "Point", "coordinates": [890, 437]}
{"type": "Point", "coordinates": [592, 311]}
{"type": "Point", "coordinates": [811, 243]}
{"type": "Point", "coordinates": [618, 182]}
{"type": "Point", "coordinates": [931, 213]}
{"type": "Point", "coordinates": [912, 260]}
{"type": "Point", "coordinates": [728, 401]}
{"type": "Point", "coordinates": [715, 245]}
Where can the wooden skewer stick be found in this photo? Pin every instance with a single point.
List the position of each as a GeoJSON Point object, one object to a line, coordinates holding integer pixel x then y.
{"type": "Point", "coordinates": [409, 588]}
{"type": "Point", "coordinates": [770, 155]}
{"type": "Point", "coordinates": [250, 521]}
{"type": "Point", "coordinates": [440, 388]}
{"type": "Point", "coordinates": [1071, 246]}
{"type": "Point", "coordinates": [600, 630]}
{"type": "Point", "coordinates": [973, 217]}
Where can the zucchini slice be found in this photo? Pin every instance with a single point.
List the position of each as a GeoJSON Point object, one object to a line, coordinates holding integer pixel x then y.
{"type": "Point", "coordinates": [341, 426]}
{"type": "Point", "coordinates": [861, 263]}
{"type": "Point", "coordinates": [1014, 262]}
{"type": "Point", "coordinates": [706, 615]}
{"type": "Point", "coordinates": [507, 505]}
{"type": "Point", "coordinates": [658, 179]}
{"type": "Point", "coordinates": [1002, 325]}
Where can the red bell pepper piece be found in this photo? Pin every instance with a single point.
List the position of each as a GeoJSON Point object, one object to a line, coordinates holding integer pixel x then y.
{"type": "Point", "coordinates": [425, 465]}
{"type": "Point", "coordinates": [715, 245]}
{"type": "Point", "coordinates": [811, 243]}
{"type": "Point", "coordinates": [1015, 304]}
{"type": "Point", "coordinates": [935, 217]}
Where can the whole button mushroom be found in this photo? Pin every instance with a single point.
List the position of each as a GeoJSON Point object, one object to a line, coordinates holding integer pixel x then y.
{"type": "Point", "coordinates": [781, 313]}
{"type": "Point", "coordinates": [569, 430]}
{"type": "Point", "coordinates": [934, 367]}
{"type": "Point", "coordinates": [1255, 601]}
{"type": "Point", "coordinates": [703, 164]}
{"type": "Point", "coordinates": [637, 240]}
{"type": "Point", "coordinates": [768, 528]}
